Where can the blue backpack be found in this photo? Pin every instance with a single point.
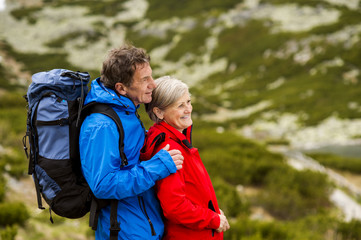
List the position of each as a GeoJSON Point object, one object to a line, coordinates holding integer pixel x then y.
{"type": "Point", "coordinates": [55, 113]}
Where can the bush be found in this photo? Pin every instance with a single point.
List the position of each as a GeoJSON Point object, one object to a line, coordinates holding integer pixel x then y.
{"type": "Point", "coordinates": [313, 227]}
{"type": "Point", "coordinates": [148, 42]}
{"type": "Point", "coordinates": [27, 13]}
{"type": "Point", "coordinates": [35, 62]}
{"type": "Point", "coordinates": [235, 159]}
{"type": "Point", "coordinates": [350, 230]}
{"type": "Point", "coordinates": [292, 194]}
{"type": "Point", "coordinates": [350, 164]}
{"type": "Point", "coordinates": [2, 187]}
{"type": "Point", "coordinates": [247, 229]}
{"type": "Point", "coordinates": [15, 164]}
{"type": "Point", "coordinates": [229, 199]}
{"type": "Point", "coordinates": [160, 10]}
{"type": "Point", "coordinates": [8, 233]}
{"type": "Point", "coordinates": [5, 76]}
{"type": "Point", "coordinates": [13, 213]}
{"type": "Point", "coordinates": [192, 42]}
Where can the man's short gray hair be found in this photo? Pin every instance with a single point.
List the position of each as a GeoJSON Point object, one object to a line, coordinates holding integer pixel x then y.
{"type": "Point", "coordinates": [167, 92]}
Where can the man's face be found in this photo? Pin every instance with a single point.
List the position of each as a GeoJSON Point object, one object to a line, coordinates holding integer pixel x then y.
{"type": "Point", "coordinates": [140, 91]}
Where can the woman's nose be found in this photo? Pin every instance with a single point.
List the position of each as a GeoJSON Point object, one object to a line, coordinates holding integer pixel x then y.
{"type": "Point", "coordinates": [189, 108]}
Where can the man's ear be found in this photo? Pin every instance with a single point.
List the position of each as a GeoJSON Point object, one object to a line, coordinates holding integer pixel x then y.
{"type": "Point", "coordinates": [159, 113]}
{"type": "Point", "coordinates": [120, 88]}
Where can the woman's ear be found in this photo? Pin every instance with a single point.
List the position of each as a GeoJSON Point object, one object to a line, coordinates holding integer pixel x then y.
{"type": "Point", "coordinates": [120, 88]}
{"type": "Point", "coordinates": [159, 113]}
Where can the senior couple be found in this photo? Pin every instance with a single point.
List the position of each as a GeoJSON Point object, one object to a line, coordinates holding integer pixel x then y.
{"type": "Point", "coordinates": [164, 192]}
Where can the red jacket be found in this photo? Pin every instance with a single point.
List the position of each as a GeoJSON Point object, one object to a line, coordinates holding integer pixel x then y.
{"type": "Point", "coordinates": [187, 196]}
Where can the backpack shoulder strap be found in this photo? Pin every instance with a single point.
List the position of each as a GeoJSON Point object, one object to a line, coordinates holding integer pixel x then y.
{"type": "Point", "coordinates": [95, 107]}
{"type": "Point", "coordinates": [107, 110]}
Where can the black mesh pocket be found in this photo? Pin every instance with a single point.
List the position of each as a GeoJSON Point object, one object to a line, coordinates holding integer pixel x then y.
{"type": "Point", "coordinates": [72, 202]}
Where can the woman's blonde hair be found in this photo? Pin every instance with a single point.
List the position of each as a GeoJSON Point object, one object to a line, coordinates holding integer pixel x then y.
{"type": "Point", "coordinates": [167, 92]}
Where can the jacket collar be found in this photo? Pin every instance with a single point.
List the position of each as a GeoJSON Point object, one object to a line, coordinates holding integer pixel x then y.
{"type": "Point", "coordinates": [185, 137]}
{"type": "Point", "coordinates": [100, 93]}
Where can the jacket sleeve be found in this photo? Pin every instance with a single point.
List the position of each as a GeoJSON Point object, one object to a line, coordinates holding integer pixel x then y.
{"type": "Point", "coordinates": [177, 207]}
{"type": "Point", "coordinates": [100, 162]}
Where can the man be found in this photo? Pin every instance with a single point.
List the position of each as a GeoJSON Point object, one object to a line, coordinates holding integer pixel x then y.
{"type": "Point", "coordinates": [125, 83]}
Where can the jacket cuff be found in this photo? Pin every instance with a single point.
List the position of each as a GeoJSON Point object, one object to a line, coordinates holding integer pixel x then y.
{"type": "Point", "coordinates": [216, 220]}
{"type": "Point", "coordinates": [161, 165]}
{"type": "Point", "coordinates": [167, 160]}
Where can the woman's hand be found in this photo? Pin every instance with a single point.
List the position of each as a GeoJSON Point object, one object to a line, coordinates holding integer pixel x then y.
{"type": "Point", "coordinates": [223, 225]}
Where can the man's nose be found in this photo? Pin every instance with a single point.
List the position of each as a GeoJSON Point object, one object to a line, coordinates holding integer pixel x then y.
{"type": "Point", "coordinates": [153, 84]}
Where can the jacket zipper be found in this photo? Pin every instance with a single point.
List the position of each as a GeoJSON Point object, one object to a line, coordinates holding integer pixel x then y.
{"type": "Point", "coordinates": [142, 207]}
{"type": "Point", "coordinates": [140, 121]}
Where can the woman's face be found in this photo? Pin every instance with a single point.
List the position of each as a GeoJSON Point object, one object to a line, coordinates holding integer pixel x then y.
{"type": "Point", "coordinates": [178, 115]}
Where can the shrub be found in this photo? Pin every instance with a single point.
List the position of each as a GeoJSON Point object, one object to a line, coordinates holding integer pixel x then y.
{"type": "Point", "coordinates": [35, 62]}
{"type": "Point", "coordinates": [350, 164]}
{"type": "Point", "coordinates": [27, 13]}
{"type": "Point", "coordinates": [13, 213]}
{"type": "Point", "coordinates": [148, 42]}
{"type": "Point", "coordinates": [2, 187]}
{"type": "Point", "coordinates": [313, 227]}
{"type": "Point", "coordinates": [292, 194]}
{"type": "Point", "coordinates": [192, 41]}
{"type": "Point", "coordinates": [8, 233]}
{"type": "Point", "coordinates": [16, 164]}
{"type": "Point", "coordinates": [235, 159]}
{"type": "Point", "coordinates": [247, 229]}
{"type": "Point", "coordinates": [350, 230]}
{"type": "Point", "coordinates": [159, 9]}
{"type": "Point", "coordinates": [5, 76]}
{"type": "Point", "coordinates": [229, 199]}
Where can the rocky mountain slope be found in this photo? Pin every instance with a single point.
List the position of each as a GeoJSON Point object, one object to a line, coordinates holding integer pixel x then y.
{"type": "Point", "coordinates": [272, 69]}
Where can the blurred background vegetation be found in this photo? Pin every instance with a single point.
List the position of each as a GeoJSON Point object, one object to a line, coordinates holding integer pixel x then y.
{"type": "Point", "coordinates": [251, 64]}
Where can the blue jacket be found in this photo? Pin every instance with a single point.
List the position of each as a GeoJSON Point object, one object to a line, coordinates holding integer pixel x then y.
{"type": "Point", "coordinates": [133, 184]}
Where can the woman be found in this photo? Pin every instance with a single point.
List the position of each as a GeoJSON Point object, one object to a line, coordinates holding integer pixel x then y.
{"type": "Point", "coordinates": [187, 197]}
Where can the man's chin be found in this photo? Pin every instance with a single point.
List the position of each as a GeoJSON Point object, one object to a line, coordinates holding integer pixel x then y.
{"type": "Point", "coordinates": [147, 101]}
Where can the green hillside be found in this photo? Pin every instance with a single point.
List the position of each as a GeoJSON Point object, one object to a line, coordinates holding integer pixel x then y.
{"type": "Point", "coordinates": [261, 73]}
